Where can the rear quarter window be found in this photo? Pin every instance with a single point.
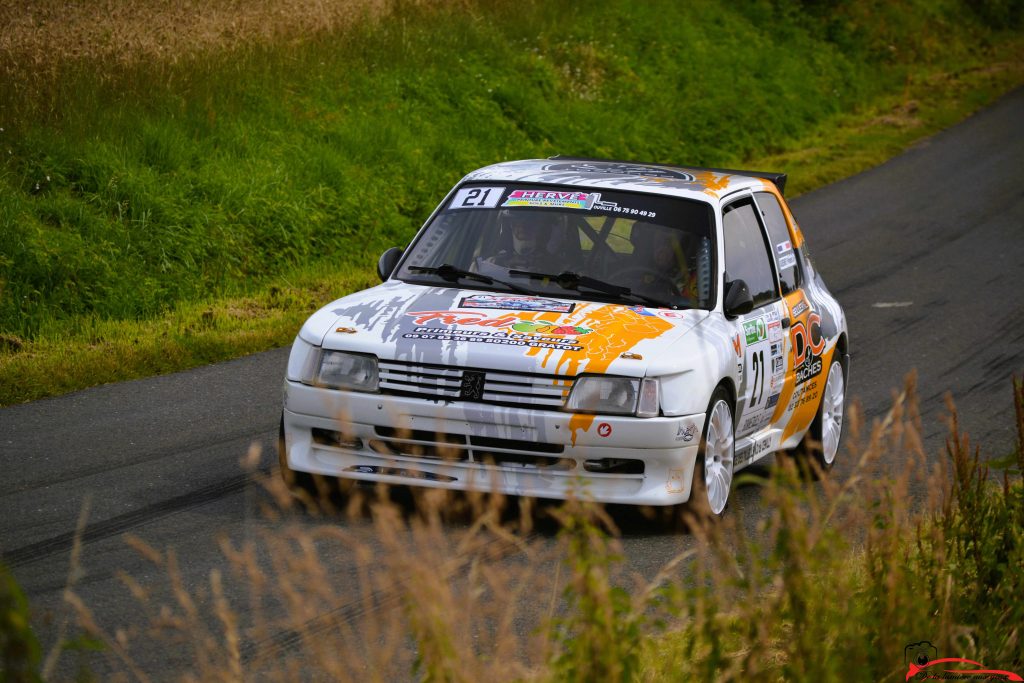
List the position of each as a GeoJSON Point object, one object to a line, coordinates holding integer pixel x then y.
{"type": "Point", "coordinates": [778, 235]}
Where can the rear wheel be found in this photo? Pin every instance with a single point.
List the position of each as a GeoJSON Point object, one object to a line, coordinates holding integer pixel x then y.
{"type": "Point", "coordinates": [712, 476]}
{"type": "Point", "coordinates": [821, 443]}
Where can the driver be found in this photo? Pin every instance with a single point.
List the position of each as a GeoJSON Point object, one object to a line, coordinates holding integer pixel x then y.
{"type": "Point", "coordinates": [533, 235]}
{"type": "Point", "coordinates": [659, 251]}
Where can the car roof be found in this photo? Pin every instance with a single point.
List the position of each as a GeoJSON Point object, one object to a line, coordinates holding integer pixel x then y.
{"type": "Point", "coordinates": [684, 181]}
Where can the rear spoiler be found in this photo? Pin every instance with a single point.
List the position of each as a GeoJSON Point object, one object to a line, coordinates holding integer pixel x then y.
{"type": "Point", "coordinates": [778, 179]}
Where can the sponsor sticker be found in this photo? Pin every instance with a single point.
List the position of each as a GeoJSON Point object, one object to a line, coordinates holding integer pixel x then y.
{"type": "Point", "coordinates": [604, 430]}
{"type": "Point", "coordinates": [749, 453]}
{"type": "Point", "coordinates": [675, 481]}
{"type": "Point", "coordinates": [808, 345]}
{"type": "Point", "coordinates": [775, 332]}
{"type": "Point", "coordinates": [799, 308]}
{"type": "Point", "coordinates": [516, 303]}
{"type": "Point", "coordinates": [506, 321]}
{"type": "Point", "coordinates": [613, 207]}
{"type": "Point", "coordinates": [755, 421]}
{"type": "Point", "coordinates": [686, 432]}
{"type": "Point", "coordinates": [804, 394]}
{"type": "Point", "coordinates": [541, 327]}
{"type": "Point", "coordinates": [755, 331]}
{"type": "Point", "coordinates": [787, 260]}
{"type": "Point", "coordinates": [477, 198]}
{"type": "Point", "coordinates": [810, 368]}
{"type": "Point", "coordinates": [552, 199]}
{"type": "Point", "coordinates": [640, 310]}
{"type": "Point", "coordinates": [670, 315]}
{"type": "Point", "coordinates": [499, 338]}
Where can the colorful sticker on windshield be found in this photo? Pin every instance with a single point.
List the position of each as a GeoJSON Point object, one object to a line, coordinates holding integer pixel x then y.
{"type": "Point", "coordinates": [477, 198]}
{"type": "Point", "coordinates": [552, 199]}
{"type": "Point", "coordinates": [516, 303]}
{"type": "Point", "coordinates": [613, 207]}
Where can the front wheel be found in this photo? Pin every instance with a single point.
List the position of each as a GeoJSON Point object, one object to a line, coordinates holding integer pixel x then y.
{"type": "Point", "coordinates": [712, 475]}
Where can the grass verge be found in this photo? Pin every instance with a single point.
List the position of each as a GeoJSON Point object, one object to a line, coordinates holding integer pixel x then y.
{"type": "Point", "coordinates": [143, 202]}
{"type": "Point", "coordinates": [193, 334]}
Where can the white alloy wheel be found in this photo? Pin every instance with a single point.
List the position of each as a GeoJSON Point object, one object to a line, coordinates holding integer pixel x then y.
{"type": "Point", "coordinates": [821, 443]}
{"type": "Point", "coordinates": [719, 455]}
{"type": "Point", "coordinates": [832, 403]}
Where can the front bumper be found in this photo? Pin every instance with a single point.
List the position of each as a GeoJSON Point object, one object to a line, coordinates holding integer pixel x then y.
{"type": "Point", "coordinates": [474, 446]}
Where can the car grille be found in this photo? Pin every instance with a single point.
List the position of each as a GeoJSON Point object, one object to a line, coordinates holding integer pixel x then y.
{"type": "Point", "coordinates": [462, 448]}
{"type": "Point", "coordinates": [480, 386]}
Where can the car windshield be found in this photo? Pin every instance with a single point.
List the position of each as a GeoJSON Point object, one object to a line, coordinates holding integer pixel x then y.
{"type": "Point", "coordinates": [570, 242]}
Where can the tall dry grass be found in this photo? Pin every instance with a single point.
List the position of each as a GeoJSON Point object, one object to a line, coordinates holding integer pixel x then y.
{"type": "Point", "coordinates": [37, 35]}
{"type": "Point", "coordinates": [833, 583]}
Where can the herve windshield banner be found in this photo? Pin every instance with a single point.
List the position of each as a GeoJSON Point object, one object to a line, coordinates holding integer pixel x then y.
{"type": "Point", "coordinates": [626, 204]}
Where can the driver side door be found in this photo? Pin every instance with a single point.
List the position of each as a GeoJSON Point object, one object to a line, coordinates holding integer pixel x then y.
{"type": "Point", "coordinates": [759, 340]}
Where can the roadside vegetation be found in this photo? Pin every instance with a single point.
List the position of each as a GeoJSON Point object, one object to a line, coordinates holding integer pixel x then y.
{"type": "Point", "coordinates": [840, 579]}
{"type": "Point", "coordinates": [180, 187]}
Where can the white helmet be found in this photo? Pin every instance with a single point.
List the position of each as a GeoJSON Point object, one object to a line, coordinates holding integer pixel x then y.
{"type": "Point", "coordinates": [527, 229]}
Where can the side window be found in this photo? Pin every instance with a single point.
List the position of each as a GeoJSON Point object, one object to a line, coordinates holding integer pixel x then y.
{"type": "Point", "coordinates": [746, 254]}
{"type": "Point", "coordinates": [778, 235]}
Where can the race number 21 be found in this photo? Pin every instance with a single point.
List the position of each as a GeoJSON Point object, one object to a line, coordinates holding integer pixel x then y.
{"type": "Point", "coordinates": [477, 198]}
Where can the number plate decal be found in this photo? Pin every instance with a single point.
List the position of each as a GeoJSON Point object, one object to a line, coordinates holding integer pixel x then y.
{"type": "Point", "coordinates": [477, 198]}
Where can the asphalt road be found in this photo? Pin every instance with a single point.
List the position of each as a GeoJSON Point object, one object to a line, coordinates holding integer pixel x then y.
{"type": "Point", "coordinates": [926, 253]}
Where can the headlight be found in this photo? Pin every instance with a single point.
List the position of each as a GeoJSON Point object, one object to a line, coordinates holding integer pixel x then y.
{"type": "Point", "coordinates": [614, 396]}
{"type": "Point", "coordinates": [341, 370]}
{"type": "Point", "coordinates": [302, 361]}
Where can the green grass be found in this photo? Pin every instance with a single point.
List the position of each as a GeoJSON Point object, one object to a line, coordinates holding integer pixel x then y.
{"type": "Point", "coordinates": [135, 198]}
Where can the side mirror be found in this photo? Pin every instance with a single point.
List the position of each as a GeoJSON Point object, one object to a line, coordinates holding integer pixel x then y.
{"type": "Point", "coordinates": [387, 262]}
{"type": "Point", "coordinates": [737, 299]}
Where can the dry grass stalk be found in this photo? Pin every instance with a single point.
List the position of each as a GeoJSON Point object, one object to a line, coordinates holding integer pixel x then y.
{"type": "Point", "coordinates": [38, 34]}
{"type": "Point", "coordinates": [451, 587]}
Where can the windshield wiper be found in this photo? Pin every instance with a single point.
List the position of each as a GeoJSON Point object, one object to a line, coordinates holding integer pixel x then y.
{"type": "Point", "coordinates": [570, 280]}
{"type": "Point", "coordinates": [450, 273]}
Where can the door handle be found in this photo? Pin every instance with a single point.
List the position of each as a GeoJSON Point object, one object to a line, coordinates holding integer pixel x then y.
{"type": "Point", "coordinates": [786, 322]}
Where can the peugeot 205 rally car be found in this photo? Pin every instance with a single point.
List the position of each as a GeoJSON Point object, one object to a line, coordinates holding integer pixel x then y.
{"type": "Point", "coordinates": [636, 333]}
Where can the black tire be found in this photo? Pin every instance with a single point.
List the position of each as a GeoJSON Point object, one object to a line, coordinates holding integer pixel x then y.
{"type": "Point", "coordinates": [816, 453]}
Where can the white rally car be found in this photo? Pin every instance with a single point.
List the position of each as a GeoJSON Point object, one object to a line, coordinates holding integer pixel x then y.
{"type": "Point", "coordinates": [635, 333]}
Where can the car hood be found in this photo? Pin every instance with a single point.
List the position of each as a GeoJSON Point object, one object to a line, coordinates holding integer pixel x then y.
{"type": "Point", "coordinates": [487, 330]}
